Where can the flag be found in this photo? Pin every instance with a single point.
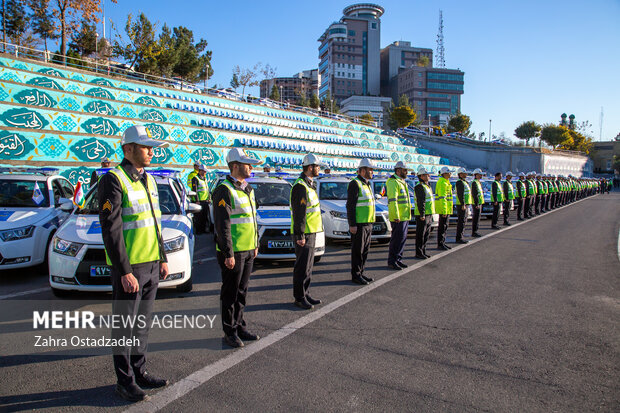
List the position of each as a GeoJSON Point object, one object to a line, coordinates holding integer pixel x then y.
{"type": "Point", "coordinates": [383, 191]}
{"type": "Point", "coordinates": [37, 195]}
{"type": "Point", "coordinates": [78, 195]}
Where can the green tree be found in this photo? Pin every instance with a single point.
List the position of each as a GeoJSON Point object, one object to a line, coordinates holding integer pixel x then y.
{"type": "Point", "coordinates": [554, 135]}
{"type": "Point", "coordinates": [301, 98]}
{"type": "Point", "coordinates": [167, 55]}
{"type": "Point", "coordinates": [423, 61]}
{"type": "Point", "coordinates": [329, 104]}
{"type": "Point", "coordinates": [141, 51]}
{"type": "Point", "coordinates": [527, 130]}
{"type": "Point", "coordinates": [246, 77]}
{"type": "Point", "coordinates": [367, 117]}
{"type": "Point", "coordinates": [275, 93]}
{"type": "Point", "coordinates": [194, 60]}
{"type": "Point", "coordinates": [16, 20]}
{"type": "Point", "coordinates": [84, 40]}
{"type": "Point", "coordinates": [234, 82]}
{"type": "Point", "coordinates": [42, 21]}
{"type": "Point", "coordinates": [402, 116]}
{"type": "Point", "coordinates": [314, 101]}
{"type": "Point", "coordinates": [577, 142]}
{"type": "Point", "coordinates": [403, 100]}
{"type": "Point", "coordinates": [459, 123]}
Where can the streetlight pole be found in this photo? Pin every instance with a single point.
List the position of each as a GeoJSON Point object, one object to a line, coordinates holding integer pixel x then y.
{"type": "Point", "coordinates": [489, 130]}
{"type": "Point", "coordinates": [281, 96]}
{"type": "Point", "coordinates": [97, 52]}
{"type": "Point", "coordinates": [429, 124]}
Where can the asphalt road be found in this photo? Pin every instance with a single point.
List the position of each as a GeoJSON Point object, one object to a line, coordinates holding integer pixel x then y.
{"type": "Point", "coordinates": [524, 320]}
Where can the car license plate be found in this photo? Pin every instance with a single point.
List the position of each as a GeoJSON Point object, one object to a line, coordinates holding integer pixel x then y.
{"type": "Point", "coordinates": [100, 271]}
{"type": "Point", "coordinates": [377, 227]}
{"type": "Point", "coordinates": [279, 244]}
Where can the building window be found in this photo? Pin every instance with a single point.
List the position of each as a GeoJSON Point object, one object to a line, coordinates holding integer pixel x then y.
{"type": "Point", "coordinates": [373, 25]}
{"type": "Point", "coordinates": [420, 83]}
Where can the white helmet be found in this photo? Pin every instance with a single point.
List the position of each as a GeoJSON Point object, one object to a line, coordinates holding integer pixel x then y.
{"type": "Point", "coordinates": [400, 164]}
{"type": "Point", "coordinates": [366, 163]}
{"type": "Point", "coordinates": [538, 176]}
{"type": "Point", "coordinates": [422, 171]}
{"type": "Point", "coordinates": [478, 171]}
{"type": "Point", "coordinates": [509, 173]}
{"type": "Point", "coordinates": [521, 174]}
{"type": "Point", "coordinates": [312, 159]}
{"type": "Point", "coordinates": [461, 171]}
{"type": "Point", "coordinates": [444, 170]}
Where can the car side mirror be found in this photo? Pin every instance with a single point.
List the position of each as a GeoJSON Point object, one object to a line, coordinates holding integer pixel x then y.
{"type": "Point", "coordinates": [63, 201]}
{"type": "Point", "coordinates": [378, 196]}
{"type": "Point", "coordinates": [193, 208]}
{"type": "Point", "coordinates": [191, 193]}
{"type": "Point", "coordinates": [66, 206]}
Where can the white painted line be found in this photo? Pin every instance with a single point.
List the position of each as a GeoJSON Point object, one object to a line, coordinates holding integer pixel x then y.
{"type": "Point", "coordinates": [20, 293]}
{"type": "Point", "coordinates": [198, 378]}
{"type": "Point", "coordinates": [618, 245]}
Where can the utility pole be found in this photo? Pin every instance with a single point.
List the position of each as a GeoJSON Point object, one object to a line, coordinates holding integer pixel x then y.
{"type": "Point", "coordinates": [440, 58]}
{"type": "Point", "coordinates": [490, 136]}
{"type": "Point", "coordinates": [4, 25]}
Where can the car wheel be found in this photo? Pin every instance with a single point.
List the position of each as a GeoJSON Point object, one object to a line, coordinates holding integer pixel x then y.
{"type": "Point", "coordinates": [60, 293]}
{"type": "Point", "coordinates": [317, 259]}
{"type": "Point", "coordinates": [186, 286]}
{"type": "Point", "coordinates": [44, 267]}
{"type": "Point", "coordinates": [383, 240]}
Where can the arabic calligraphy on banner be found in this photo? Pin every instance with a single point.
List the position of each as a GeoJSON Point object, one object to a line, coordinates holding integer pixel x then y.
{"type": "Point", "coordinates": [205, 156]}
{"type": "Point", "coordinates": [253, 155]}
{"type": "Point", "coordinates": [153, 115]}
{"type": "Point", "coordinates": [80, 174]}
{"type": "Point", "coordinates": [35, 97]}
{"type": "Point", "coordinates": [92, 149]}
{"type": "Point", "coordinates": [103, 82]}
{"type": "Point", "coordinates": [100, 126]}
{"type": "Point", "coordinates": [202, 136]}
{"type": "Point", "coordinates": [100, 108]}
{"type": "Point", "coordinates": [157, 131]}
{"type": "Point", "coordinates": [13, 145]}
{"type": "Point", "coordinates": [24, 118]}
{"type": "Point", "coordinates": [161, 155]}
{"type": "Point", "coordinates": [50, 71]}
{"type": "Point", "coordinates": [147, 100]}
{"type": "Point", "coordinates": [45, 82]}
{"type": "Point", "coordinates": [99, 93]}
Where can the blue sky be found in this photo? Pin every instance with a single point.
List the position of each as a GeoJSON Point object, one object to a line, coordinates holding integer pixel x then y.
{"type": "Point", "coordinates": [526, 60]}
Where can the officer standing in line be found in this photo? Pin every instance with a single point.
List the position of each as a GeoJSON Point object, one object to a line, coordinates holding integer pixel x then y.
{"type": "Point", "coordinates": [497, 198]}
{"type": "Point", "coordinates": [443, 206]}
{"type": "Point", "coordinates": [552, 191]}
{"type": "Point", "coordinates": [531, 195]}
{"type": "Point", "coordinates": [191, 176]}
{"type": "Point", "coordinates": [306, 222]}
{"type": "Point", "coordinates": [521, 195]}
{"type": "Point", "coordinates": [543, 196]}
{"type": "Point", "coordinates": [267, 168]}
{"type": "Point", "coordinates": [201, 188]}
{"type": "Point", "coordinates": [94, 177]}
{"type": "Point", "coordinates": [236, 241]}
{"type": "Point", "coordinates": [463, 199]}
{"type": "Point", "coordinates": [131, 229]}
{"type": "Point", "coordinates": [478, 198]}
{"type": "Point", "coordinates": [399, 209]}
{"type": "Point", "coordinates": [509, 193]}
{"type": "Point", "coordinates": [361, 216]}
{"type": "Point", "coordinates": [538, 195]}
{"type": "Point", "coordinates": [424, 208]}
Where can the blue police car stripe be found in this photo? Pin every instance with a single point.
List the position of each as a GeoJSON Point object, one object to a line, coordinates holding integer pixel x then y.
{"type": "Point", "coordinates": [5, 215]}
{"type": "Point", "coordinates": [278, 213]}
{"type": "Point", "coordinates": [95, 228]}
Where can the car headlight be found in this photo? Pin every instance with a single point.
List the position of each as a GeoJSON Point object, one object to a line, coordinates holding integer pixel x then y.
{"type": "Point", "coordinates": [175, 244]}
{"type": "Point", "coordinates": [64, 247]}
{"type": "Point", "coordinates": [17, 233]}
{"type": "Point", "coordinates": [336, 214]}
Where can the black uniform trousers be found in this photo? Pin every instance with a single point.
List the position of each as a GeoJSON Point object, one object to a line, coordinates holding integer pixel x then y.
{"type": "Point", "coordinates": [202, 220]}
{"type": "Point", "coordinates": [360, 244]}
{"type": "Point", "coordinates": [527, 207]}
{"type": "Point", "coordinates": [302, 272]}
{"type": "Point", "coordinates": [475, 219]}
{"type": "Point", "coordinates": [537, 205]}
{"type": "Point", "coordinates": [397, 242]}
{"type": "Point", "coordinates": [495, 216]}
{"type": "Point", "coordinates": [130, 361]}
{"type": "Point", "coordinates": [519, 208]}
{"type": "Point", "coordinates": [460, 222]}
{"type": "Point", "coordinates": [506, 212]}
{"type": "Point", "coordinates": [442, 229]}
{"type": "Point", "coordinates": [422, 232]}
{"type": "Point", "coordinates": [234, 290]}
{"type": "Point", "coordinates": [543, 201]}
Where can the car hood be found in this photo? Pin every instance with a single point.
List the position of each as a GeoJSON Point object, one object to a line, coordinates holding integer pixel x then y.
{"type": "Point", "coordinates": [334, 205]}
{"type": "Point", "coordinates": [273, 215]}
{"type": "Point", "coordinates": [86, 229]}
{"type": "Point", "coordinates": [21, 217]}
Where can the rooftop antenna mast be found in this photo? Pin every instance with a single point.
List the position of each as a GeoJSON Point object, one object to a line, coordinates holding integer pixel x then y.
{"type": "Point", "coordinates": [440, 59]}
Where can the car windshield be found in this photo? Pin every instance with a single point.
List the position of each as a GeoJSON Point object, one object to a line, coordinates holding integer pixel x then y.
{"type": "Point", "coordinates": [168, 203]}
{"type": "Point", "coordinates": [379, 188]}
{"type": "Point", "coordinates": [17, 193]}
{"type": "Point", "coordinates": [332, 191]}
{"type": "Point", "coordinates": [272, 193]}
{"type": "Point", "coordinates": [486, 186]}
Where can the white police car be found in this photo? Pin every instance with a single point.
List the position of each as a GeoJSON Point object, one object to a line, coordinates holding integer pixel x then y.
{"type": "Point", "coordinates": [30, 200]}
{"type": "Point", "coordinates": [77, 260]}
{"type": "Point", "coordinates": [332, 191]}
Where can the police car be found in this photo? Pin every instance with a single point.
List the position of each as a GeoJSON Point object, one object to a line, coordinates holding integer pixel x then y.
{"type": "Point", "coordinates": [77, 260]}
{"type": "Point", "coordinates": [272, 192]}
{"type": "Point", "coordinates": [30, 213]}
{"type": "Point", "coordinates": [332, 192]}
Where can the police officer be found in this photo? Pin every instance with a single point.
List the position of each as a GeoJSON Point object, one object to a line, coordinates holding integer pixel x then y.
{"type": "Point", "coordinates": [306, 222]}
{"type": "Point", "coordinates": [267, 168]}
{"type": "Point", "coordinates": [131, 229]}
{"type": "Point", "coordinates": [361, 215]}
{"type": "Point", "coordinates": [521, 195]}
{"type": "Point", "coordinates": [424, 208]}
{"type": "Point", "coordinates": [539, 193]}
{"type": "Point", "coordinates": [463, 199]}
{"type": "Point", "coordinates": [509, 194]}
{"type": "Point", "coordinates": [191, 176]}
{"type": "Point", "coordinates": [399, 209]}
{"type": "Point", "coordinates": [201, 188]}
{"type": "Point", "coordinates": [497, 198]}
{"type": "Point", "coordinates": [443, 206]}
{"type": "Point", "coordinates": [94, 177]}
{"type": "Point", "coordinates": [478, 198]}
{"type": "Point", "coordinates": [236, 239]}
{"type": "Point", "coordinates": [531, 195]}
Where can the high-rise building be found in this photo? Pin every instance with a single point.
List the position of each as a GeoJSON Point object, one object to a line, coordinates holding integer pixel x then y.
{"type": "Point", "coordinates": [432, 91]}
{"type": "Point", "coordinates": [397, 57]}
{"type": "Point", "coordinates": [349, 53]}
{"type": "Point", "coordinates": [291, 89]}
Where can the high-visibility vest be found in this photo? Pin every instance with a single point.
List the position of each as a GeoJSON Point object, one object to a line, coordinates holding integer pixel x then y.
{"type": "Point", "coordinates": [141, 223]}
{"type": "Point", "coordinates": [500, 192]}
{"type": "Point", "coordinates": [190, 177]}
{"type": "Point", "coordinates": [480, 194]}
{"type": "Point", "coordinates": [429, 201]}
{"type": "Point", "coordinates": [531, 187]}
{"type": "Point", "coordinates": [521, 189]}
{"type": "Point", "coordinates": [545, 187]}
{"type": "Point", "coordinates": [467, 198]}
{"type": "Point", "coordinates": [243, 225]}
{"type": "Point", "coordinates": [314, 222]}
{"type": "Point", "coordinates": [365, 207]}
{"type": "Point", "coordinates": [399, 202]}
{"type": "Point", "coordinates": [510, 195]}
{"type": "Point", "coordinates": [443, 197]}
{"type": "Point", "coordinates": [202, 191]}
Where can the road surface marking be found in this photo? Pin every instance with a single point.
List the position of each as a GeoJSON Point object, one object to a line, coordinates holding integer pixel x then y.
{"type": "Point", "coordinates": [18, 294]}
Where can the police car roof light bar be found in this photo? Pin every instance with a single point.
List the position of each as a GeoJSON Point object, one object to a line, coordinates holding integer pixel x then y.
{"type": "Point", "coordinates": [22, 170]}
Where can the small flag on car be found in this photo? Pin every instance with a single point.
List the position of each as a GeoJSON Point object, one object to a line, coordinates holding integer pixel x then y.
{"type": "Point", "coordinates": [78, 196]}
{"type": "Point", "coordinates": [37, 195]}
